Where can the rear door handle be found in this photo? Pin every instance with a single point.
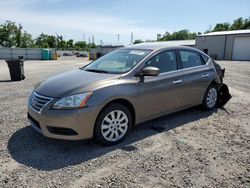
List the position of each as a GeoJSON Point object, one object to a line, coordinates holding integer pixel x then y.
{"type": "Point", "coordinates": [205, 75]}
{"type": "Point", "coordinates": [177, 81]}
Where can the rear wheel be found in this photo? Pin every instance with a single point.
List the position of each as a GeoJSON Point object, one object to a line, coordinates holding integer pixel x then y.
{"type": "Point", "coordinates": [113, 124]}
{"type": "Point", "coordinates": [210, 98]}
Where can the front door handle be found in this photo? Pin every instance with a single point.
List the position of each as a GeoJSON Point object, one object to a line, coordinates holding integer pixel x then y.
{"type": "Point", "coordinates": [177, 81]}
{"type": "Point", "coordinates": [205, 75]}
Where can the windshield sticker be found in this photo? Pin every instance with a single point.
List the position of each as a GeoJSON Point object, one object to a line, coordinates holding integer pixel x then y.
{"type": "Point", "coordinates": [134, 52]}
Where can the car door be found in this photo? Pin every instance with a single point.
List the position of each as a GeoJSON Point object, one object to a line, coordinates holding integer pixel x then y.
{"type": "Point", "coordinates": [196, 76]}
{"type": "Point", "coordinates": [162, 93]}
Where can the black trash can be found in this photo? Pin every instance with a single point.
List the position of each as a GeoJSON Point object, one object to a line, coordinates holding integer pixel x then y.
{"type": "Point", "coordinates": [16, 69]}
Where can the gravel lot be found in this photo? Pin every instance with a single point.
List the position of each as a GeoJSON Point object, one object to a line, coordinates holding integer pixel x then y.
{"type": "Point", "coordinates": [191, 148]}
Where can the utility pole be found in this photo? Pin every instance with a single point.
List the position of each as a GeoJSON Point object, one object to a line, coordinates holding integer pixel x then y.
{"type": "Point", "coordinates": [83, 37]}
{"type": "Point", "coordinates": [57, 41]}
{"type": "Point", "coordinates": [118, 39]}
{"type": "Point", "coordinates": [89, 40]}
{"type": "Point", "coordinates": [132, 38]}
{"type": "Point", "coordinates": [83, 40]}
{"type": "Point", "coordinates": [93, 39]}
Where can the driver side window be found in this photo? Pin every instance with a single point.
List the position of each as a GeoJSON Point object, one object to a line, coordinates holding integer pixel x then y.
{"type": "Point", "coordinates": [165, 61]}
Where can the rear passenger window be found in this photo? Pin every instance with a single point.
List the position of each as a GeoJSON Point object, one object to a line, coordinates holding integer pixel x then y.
{"type": "Point", "coordinates": [190, 59]}
{"type": "Point", "coordinates": [165, 61]}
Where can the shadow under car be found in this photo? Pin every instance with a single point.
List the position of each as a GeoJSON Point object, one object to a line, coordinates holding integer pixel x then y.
{"type": "Point", "coordinates": [30, 148]}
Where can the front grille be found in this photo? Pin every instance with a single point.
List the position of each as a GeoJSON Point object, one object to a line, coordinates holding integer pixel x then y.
{"type": "Point", "coordinates": [38, 102]}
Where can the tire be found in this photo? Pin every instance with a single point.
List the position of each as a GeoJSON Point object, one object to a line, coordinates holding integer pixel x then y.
{"type": "Point", "coordinates": [109, 130]}
{"type": "Point", "coordinates": [210, 98]}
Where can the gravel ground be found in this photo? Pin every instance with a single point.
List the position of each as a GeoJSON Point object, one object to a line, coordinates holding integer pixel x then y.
{"type": "Point", "coordinates": [191, 148]}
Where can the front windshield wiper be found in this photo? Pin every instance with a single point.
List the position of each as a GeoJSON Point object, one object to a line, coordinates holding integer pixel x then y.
{"type": "Point", "coordinates": [96, 70]}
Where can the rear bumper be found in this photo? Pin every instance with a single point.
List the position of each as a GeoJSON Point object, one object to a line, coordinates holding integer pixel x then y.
{"type": "Point", "coordinates": [64, 124]}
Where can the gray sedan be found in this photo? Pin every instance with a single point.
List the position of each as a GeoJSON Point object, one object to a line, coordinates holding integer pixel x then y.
{"type": "Point", "coordinates": [109, 96]}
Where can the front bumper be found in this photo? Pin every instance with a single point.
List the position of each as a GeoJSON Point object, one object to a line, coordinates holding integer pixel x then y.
{"type": "Point", "coordinates": [64, 124]}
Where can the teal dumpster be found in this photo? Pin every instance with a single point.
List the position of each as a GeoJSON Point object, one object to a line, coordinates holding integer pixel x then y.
{"type": "Point", "coordinates": [45, 54]}
{"type": "Point", "coordinates": [52, 55]}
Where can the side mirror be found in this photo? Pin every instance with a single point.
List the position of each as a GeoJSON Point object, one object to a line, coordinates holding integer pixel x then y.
{"type": "Point", "coordinates": [150, 71]}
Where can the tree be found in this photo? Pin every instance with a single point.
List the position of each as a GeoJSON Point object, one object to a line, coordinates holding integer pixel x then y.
{"type": "Point", "coordinates": [158, 37]}
{"type": "Point", "coordinates": [51, 40]}
{"type": "Point", "coordinates": [163, 37]}
{"type": "Point", "coordinates": [137, 41]}
{"type": "Point", "coordinates": [80, 45]}
{"type": "Point", "coordinates": [46, 41]}
{"type": "Point", "coordinates": [178, 35]}
{"type": "Point", "coordinates": [222, 27]}
{"type": "Point", "coordinates": [247, 23]}
{"type": "Point", "coordinates": [19, 35]}
{"type": "Point", "coordinates": [26, 40]}
{"type": "Point", "coordinates": [70, 44]}
{"type": "Point", "coordinates": [41, 41]}
{"type": "Point", "coordinates": [10, 34]}
{"type": "Point", "coordinates": [92, 45]}
{"type": "Point", "coordinates": [238, 24]}
{"type": "Point", "coordinates": [60, 43]}
{"type": "Point", "coordinates": [149, 40]}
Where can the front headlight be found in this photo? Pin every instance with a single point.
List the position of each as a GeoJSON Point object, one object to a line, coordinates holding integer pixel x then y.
{"type": "Point", "coordinates": [72, 102]}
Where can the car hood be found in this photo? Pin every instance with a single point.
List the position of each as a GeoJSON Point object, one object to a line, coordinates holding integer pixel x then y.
{"type": "Point", "coordinates": [73, 82]}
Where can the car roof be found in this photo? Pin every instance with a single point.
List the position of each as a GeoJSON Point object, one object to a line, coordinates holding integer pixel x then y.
{"type": "Point", "coordinates": [157, 46]}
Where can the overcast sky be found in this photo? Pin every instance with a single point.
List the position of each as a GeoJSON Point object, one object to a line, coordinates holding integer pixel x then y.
{"type": "Point", "coordinates": [106, 18]}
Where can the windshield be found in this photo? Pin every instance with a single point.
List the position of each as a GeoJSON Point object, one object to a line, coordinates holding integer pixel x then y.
{"type": "Point", "coordinates": [117, 62]}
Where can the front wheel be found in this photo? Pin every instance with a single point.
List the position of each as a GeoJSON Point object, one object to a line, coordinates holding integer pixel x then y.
{"type": "Point", "coordinates": [210, 98]}
{"type": "Point", "coordinates": [113, 124]}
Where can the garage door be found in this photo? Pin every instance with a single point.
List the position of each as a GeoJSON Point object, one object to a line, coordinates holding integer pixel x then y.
{"type": "Point", "coordinates": [241, 49]}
